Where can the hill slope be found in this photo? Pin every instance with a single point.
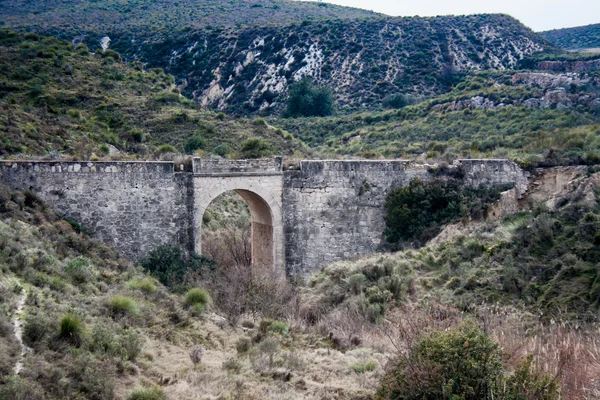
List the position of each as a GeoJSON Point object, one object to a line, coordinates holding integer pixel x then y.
{"type": "Point", "coordinates": [581, 37]}
{"type": "Point", "coordinates": [71, 18]}
{"type": "Point", "coordinates": [225, 63]}
{"type": "Point", "coordinates": [57, 98]}
{"type": "Point", "coordinates": [251, 69]}
{"type": "Point", "coordinates": [526, 116]}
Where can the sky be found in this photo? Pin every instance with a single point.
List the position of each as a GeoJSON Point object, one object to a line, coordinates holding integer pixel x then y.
{"type": "Point", "coordinates": [539, 15]}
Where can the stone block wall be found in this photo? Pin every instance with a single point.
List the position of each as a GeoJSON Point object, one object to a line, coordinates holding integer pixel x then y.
{"type": "Point", "coordinates": [334, 210]}
{"type": "Point", "coordinates": [213, 166]}
{"type": "Point", "coordinates": [132, 206]}
{"type": "Point", "coordinates": [323, 212]}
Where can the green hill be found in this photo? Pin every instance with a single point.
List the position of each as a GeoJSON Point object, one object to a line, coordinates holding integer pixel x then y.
{"type": "Point", "coordinates": [143, 17]}
{"type": "Point", "coordinates": [578, 38]}
{"type": "Point", "coordinates": [60, 99]}
{"type": "Point", "coordinates": [241, 56]}
{"type": "Point", "coordinates": [526, 116]}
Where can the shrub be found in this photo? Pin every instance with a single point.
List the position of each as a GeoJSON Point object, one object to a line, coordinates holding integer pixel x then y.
{"type": "Point", "coordinates": [79, 270]}
{"type": "Point", "coordinates": [17, 388]}
{"type": "Point", "coordinates": [256, 148]}
{"type": "Point", "coordinates": [307, 100]}
{"type": "Point", "coordinates": [279, 327]}
{"type": "Point", "coordinates": [123, 305]}
{"type": "Point", "coordinates": [527, 384]}
{"type": "Point", "coordinates": [398, 100]}
{"type": "Point", "coordinates": [147, 393]}
{"type": "Point", "coordinates": [166, 148]}
{"type": "Point", "coordinates": [419, 209]}
{"type": "Point", "coordinates": [103, 341]}
{"type": "Point", "coordinates": [132, 343]}
{"type": "Point", "coordinates": [232, 366]}
{"type": "Point", "coordinates": [361, 368]}
{"type": "Point", "coordinates": [197, 297]}
{"type": "Point", "coordinates": [463, 363]}
{"type": "Point", "coordinates": [222, 150]}
{"type": "Point", "coordinates": [71, 329]}
{"type": "Point", "coordinates": [194, 143]}
{"type": "Point", "coordinates": [145, 285]}
{"type": "Point", "coordinates": [243, 345]}
{"type": "Point", "coordinates": [35, 329]}
{"type": "Point", "coordinates": [168, 265]}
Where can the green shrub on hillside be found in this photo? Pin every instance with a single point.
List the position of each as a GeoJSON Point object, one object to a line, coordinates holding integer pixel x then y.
{"type": "Point", "coordinates": [147, 393]}
{"type": "Point", "coordinates": [398, 100]}
{"type": "Point", "coordinates": [256, 148]}
{"type": "Point", "coordinates": [462, 363]}
{"type": "Point", "coordinates": [194, 143]}
{"type": "Point", "coordinates": [168, 264]}
{"type": "Point", "coordinates": [307, 100]}
{"type": "Point", "coordinates": [71, 329]}
{"type": "Point", "coordinates": [459, 364]}
{"type": "Point", "coordinates": [418, 210]}
{"type": "Point", "coordinates": [198, 299]}
{"type": "Point", "coordinates": [123, 305]}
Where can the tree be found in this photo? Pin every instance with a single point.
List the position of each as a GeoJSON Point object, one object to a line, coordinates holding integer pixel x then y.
{"type": "Point", "coordinates": [309, 100]}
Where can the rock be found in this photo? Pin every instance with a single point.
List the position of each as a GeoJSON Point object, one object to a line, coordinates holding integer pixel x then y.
{"type": "Point", "coordinates": [68, 69]}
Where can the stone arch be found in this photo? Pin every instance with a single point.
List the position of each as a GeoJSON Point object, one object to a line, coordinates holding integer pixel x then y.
{"type": "Point", "coordinates": [263, 197]}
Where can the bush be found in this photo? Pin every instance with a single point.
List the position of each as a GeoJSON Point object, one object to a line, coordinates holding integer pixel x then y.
{"type": "Point", "coordinates": [361, 368]}
{"type": "Point", "coordinates": [132, 343]}
{"type": "Point", "coordinates": [232, 366]}
{"type": "Point", "coordinates": [197, 298]}
{"type": "Point", "coordinates": [71, 329]}
{"type": "Point", "coordinates": [145, 285]}
{"type": "Point", "coordinates": [419, 209]}
{"type": "Point", "coordinates": [256, 148]}
{"type": "Point", "coordinates": [35, 329]}
{"type": "Point", "coordinates": [307, 100]}
{"type": "Point", "coordinates": [527, 384]}
{"type": "Point", "coordinates": [458, 364]}
{"type": "Point", "coordinates": [167, 264]}
{"type": "Point", "coordinates": [79, 270]}
{"type": "Point", "coordinates": [166, 148]}
{"type": "Point", "coordinates": [222, 150]}
{"type": "Point", "coordinates": [243, 345]}
{"type": "Point", "coordinates": [194, 143]}
{"type": "Point", "coordinates": [17, 388]}
{"type": "Point", "coordinates": [398, 100]}
{"type": "Point", "coordinates": [147, 393]}
{"type": "Point", "coordinates": [123, 305]}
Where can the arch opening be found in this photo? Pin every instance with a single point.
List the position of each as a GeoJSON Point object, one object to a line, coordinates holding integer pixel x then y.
{"type": "Point", "coordinates": [237, 228]}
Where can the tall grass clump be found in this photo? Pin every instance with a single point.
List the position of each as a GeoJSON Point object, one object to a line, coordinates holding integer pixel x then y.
{"type": "Point", "coordinates": [197, 299]}
{"type": "Point", "coordinates": [145, 285]}
{"type": "Point", "coordinates": [71, 329]}
{"type": "Point", "coordinates": [123, 305]}
{"type": "Point", "coordinates": [147, 393]}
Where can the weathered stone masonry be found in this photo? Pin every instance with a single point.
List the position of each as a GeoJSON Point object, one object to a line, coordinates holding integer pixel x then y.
{"type": "Point", "coordinates": [302, 219]}
{"type": "Point", "coordinates": [132, 206]}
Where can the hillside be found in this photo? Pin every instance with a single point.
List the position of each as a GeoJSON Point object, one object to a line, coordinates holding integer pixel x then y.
{"type": "Point", "coordinates": [60, 99]}
{"type": "Point", "coordinates": [250, 70]}
{"type": "Point", "coordinates": [243, 62]}
{"type": "Point", "coordinates": [95, 326]}
{"type": "Point", "coordinates": [90, 20]}
{"type": "Point", "coordinates": [527, 116]}
{"type": "Point", "coordinates": [578, 38]}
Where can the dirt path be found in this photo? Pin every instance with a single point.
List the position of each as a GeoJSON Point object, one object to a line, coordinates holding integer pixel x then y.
{"type": "Point", "coordinates": [17, 322]}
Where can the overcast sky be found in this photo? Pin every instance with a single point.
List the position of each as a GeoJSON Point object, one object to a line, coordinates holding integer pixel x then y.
{"type": "Point", "coordinates": [540, 15]}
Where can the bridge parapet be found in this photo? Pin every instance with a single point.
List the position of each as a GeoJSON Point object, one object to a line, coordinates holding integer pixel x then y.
{"type": "Point", "coordinates": [225, 167]}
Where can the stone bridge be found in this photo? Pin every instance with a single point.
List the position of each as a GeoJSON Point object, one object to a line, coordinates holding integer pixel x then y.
{"type": "Point", "coordinates": [304, 216]}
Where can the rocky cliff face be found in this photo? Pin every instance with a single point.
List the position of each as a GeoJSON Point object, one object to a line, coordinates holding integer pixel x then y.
{"type": "Point", "coordinates": [250, 70]}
